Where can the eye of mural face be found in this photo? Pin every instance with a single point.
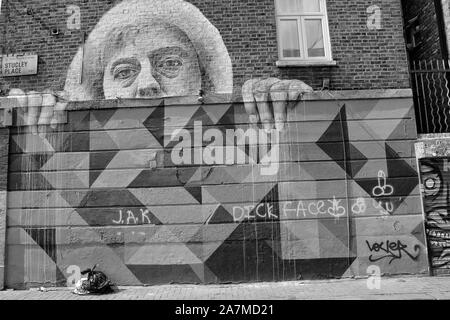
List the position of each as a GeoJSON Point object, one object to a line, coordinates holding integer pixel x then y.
{"type": "Point", "coordinates": [125, 71]}
{"type": "Point", "coordinates": [170, 66]}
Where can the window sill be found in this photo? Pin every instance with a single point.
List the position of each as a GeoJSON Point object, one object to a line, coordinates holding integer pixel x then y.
{"type": "Point", "coordinates": [303, 63]}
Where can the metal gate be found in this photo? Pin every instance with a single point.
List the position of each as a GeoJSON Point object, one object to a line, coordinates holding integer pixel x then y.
{"type": "Point", "coordinates": [430, 82]}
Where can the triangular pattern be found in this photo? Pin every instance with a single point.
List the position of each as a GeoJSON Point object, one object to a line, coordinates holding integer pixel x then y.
{"type": "Point", "coordinates": [63, 161]}
{"type": "Point", "coordinates": [124, 119]}
{"type": "Point", "coordinates": [202, 272]}
{"type": "Point", "coordinates": [228, 119]}
{"type": "Point", "coordinates": [155, 123]}
{"type": "Point", "coordinates": [357, 111]}
{"type": "Point", "coordinates": [334, 238]}
{"type": "Point", "coordinates": [204, 250]}
{"type": "Point", "coordinates": [115, 178]}
{"type": "Point", "coordinates": [46, 239]}
{"type": "Point", "coordinates": [68, 180]}
{"type": "Point", "coordinates": [41, 159]}
{"type": "Point", "coordinates": [398, 166]}
{"type": "Point", "coordinates": [268, 209]}
{"type": "Point", "coordinates": [200, 115]}
{"type": "Point", "coordinates": [338, 129]}
{"type": "Point", "coordinates": [103, 116]}
{"type": "Point", "coordinates": [221, 216]}
{"type": "Point", "coordinates": [31, 144]}
{"type": "Point", "coordinates": [100, 162]}
{"type": "Point", "coordinates": [402, 188]}
{"type": "Point", "coordinates": [249, 260]}
{"type": "Point", "coordinates": [355, 167]}
{"type": "Point", "coordinates": [397, 131]}
{"type": "Point", "coordinates": [196, 192]}
{"type": "Point", "coordinates": [101, 140]}
{"type": "Point", "coordinates": [217, 112]}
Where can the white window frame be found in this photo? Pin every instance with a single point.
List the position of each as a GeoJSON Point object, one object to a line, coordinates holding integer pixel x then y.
{"type": "Point", "coordinates": [301, 17]}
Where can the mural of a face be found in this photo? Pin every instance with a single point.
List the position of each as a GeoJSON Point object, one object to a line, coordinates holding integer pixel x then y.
{"type": "Point", "coordinates": [158, 49]}
{"type": "Point", "coordinates": [156, 61]}
{"type": "Point", "coordinates": [150, 49]}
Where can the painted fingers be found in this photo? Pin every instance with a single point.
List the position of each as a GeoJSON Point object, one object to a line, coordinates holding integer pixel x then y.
{"type": "Point", "coordinates": [266, 100]}
{"type": "Point", "coordinates": [40, 109]}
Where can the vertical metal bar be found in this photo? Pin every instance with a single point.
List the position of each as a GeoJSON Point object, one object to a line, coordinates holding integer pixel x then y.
{"type": "Point", "coordinates": [447, 97]}
{"type": "Point", "coordinates": [424, 99]}
{"type": "Point", "coordinates": [433, 98]}
{"type": "Point", "coordinates": [417, 94]}
{"type": "Point", "coordinates": [438, 97]}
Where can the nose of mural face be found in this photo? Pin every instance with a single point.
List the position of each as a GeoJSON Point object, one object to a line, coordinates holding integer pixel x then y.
{"type": "Point", "coordinates": [150, 91]}
{"type": "Point", "coordinates": [148, 86]}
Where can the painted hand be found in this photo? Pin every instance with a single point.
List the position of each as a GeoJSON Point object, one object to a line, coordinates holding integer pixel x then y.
{"type": "Point", "coordinates": [41, 108]}
{"type": "Point", "coordinates": [257, 93]}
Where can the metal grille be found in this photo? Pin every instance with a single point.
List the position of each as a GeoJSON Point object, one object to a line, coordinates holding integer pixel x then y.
{"type": "Point", "coordinates": [430, 84]}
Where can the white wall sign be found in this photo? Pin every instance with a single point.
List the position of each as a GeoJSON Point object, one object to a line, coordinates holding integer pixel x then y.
{"type": "Point", "coordinates": [19, 65]}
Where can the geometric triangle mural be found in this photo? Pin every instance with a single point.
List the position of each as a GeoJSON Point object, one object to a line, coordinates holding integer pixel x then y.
{"type": "Point", "coordinates": [159, 223]}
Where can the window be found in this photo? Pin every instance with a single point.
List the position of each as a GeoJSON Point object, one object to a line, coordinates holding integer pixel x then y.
{"type": "Point", "coordinates": [303, 34]}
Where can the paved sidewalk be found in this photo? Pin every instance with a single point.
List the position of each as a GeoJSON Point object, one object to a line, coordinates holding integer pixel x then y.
{"type": "Point", "coordinates": [404, 288]}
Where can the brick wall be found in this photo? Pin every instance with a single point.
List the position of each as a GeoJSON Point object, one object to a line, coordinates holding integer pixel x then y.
{"type": "Point", "coordinates": [366, 59]}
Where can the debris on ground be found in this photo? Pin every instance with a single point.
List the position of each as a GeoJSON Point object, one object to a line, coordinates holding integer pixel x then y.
{"type": "Point", "coordinates": [96, 282]}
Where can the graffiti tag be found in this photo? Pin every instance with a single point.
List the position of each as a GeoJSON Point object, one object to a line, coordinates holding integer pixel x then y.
{"type": "Point", "coordinates": [330, 207]}
{"type": "Point", "coordinates": [263, 210]}
{"type": "Point", "coordinates": [359, 207]}
{"type": "Point", "coordinates": [132, 219]}
{"type": "Point", "coordinates": [391, 249]}
{"type": "Point", "coordinates": [385, 207]}
{"type": "Point", "coordinates": [382, 189]}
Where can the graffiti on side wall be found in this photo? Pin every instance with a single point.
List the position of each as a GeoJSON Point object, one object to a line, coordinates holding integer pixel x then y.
{"type": "Point", "coordinates": [392, 250]}
{"type": "Point", "coordinates": [435, 177]}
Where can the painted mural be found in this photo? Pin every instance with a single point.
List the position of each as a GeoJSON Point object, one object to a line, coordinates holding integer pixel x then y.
{"type": "Point", "coordinates": [153, 49]}
{"type": "Point", "coordinates": [144, 192]}
{"type": "Point", "coordinates": [147, 166]}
